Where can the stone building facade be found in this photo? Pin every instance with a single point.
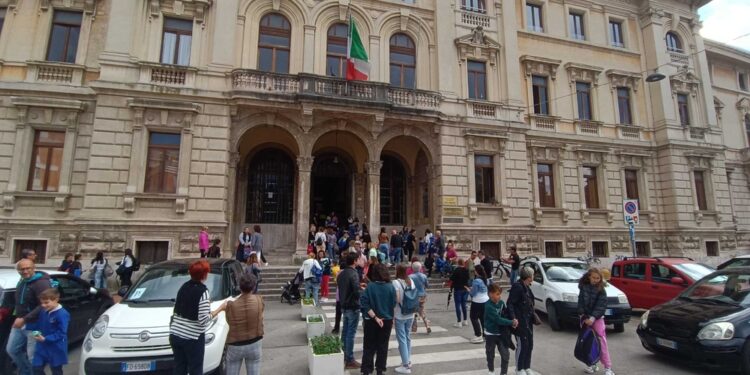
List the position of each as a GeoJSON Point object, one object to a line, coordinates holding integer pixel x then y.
{"type": "Point", "coordinates": [133, 123]}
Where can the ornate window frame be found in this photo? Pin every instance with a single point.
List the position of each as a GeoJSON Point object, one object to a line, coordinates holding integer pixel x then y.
{"type": "Point", "coordinates": [589, 74]}
{"type": "Point", "coordinates": [638, 162]}
{"type": "Point", "coordinates": [42, 114]}
{"type": "Point", "coordinates": [492, 144]}
{"type": "Point", "coordinates": [162, 116]}
{"type": "Point", "coordinates": [701, 161]}
{"type": "Point", "coordinates": [548, 153]}
{"type": "Point", "coordinates": [685, 82]}
{"type": "Point", "coordinates": [479, 47]}
{"type": "Point", "coordinates": [620, 78]}
{"type": "Point", "coordinates": [597, 158]}
{"type": "Point", "coordinates": [544, 67]}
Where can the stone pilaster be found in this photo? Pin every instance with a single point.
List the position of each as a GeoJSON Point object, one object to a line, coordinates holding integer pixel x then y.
{"type": "Point", "coordinates": [304, 169]}
{"type": "Point", "coordinates": [373, 195]}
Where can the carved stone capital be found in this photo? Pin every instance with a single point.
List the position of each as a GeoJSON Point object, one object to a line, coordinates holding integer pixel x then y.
{"type": "Point", "coordinates": [180, 205]}
{"type": "Point", "coordinates": [305, 163]}
{"type": "Point", "coordinates": [373, 167]}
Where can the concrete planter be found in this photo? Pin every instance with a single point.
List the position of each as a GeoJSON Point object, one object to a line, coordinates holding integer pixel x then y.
{"type": "Point", "coordinates": [307, 310]}
{"type": "Point", "coordinates": [315, 328]}
{"type": "Point", "coordinates": [325, 364]}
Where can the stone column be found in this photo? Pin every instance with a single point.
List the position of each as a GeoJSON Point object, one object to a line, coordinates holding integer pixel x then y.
{"type": "Point", "coordinates": [234, 159]}
{"type": "Point", "coordinates": [512, 77]}
{"type": "Point", "coordinates": [304, 169]}
{"type": "Point", "coordinates": [308, 59]}
{"type": "Point", "coordinates": [373, 196]}
{"type": "Point", "coordinates": [120, 30]}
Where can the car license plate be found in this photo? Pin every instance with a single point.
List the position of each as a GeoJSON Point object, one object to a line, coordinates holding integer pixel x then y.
{"type": "Point", "coordinates": [138, 366]}
{"type": "Point", "coordinates": [608, 312]}
{"type": "Point", "coordinates": [666, 343]}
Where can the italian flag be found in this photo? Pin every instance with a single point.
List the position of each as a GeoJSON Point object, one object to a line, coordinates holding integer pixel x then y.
{"type": "Point", "coordinates": [357, 66]}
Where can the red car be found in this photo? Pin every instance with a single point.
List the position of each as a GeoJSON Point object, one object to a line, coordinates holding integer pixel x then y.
{"type": "Point", "coordinates": [652, 281]}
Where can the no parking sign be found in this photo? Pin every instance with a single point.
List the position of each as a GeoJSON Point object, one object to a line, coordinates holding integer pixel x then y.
{"type": "Point", "coordinates": [630, 211]}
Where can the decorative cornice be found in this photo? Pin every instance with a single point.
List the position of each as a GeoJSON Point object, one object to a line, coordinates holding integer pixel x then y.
{"type": "Point", "coordinates": [477, 44]}
{"type": "Point", "coordinates": [620, 78]}
{"type": "Point", "coordinates": [583, 72]}
{"type": "Point", "coordinates": [534, 65]}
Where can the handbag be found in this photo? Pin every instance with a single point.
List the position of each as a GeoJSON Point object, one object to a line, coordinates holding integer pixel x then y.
{"type": "Point", "coordinates": [108, 271]}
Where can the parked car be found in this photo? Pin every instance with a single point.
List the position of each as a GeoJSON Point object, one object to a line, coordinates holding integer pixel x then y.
{"type": "Point", "coordinates": [707, 324]}
{"type": "Point", "coordinates": [651, 281]}
{"type": "Point", "coordinates": [133, 335]}
{"type": "Point", "coordinates": [555, 288]}
{"type": "Point", "coordinates": [84, 302]}
{"type": "Point", "coordinates": [738, 261]}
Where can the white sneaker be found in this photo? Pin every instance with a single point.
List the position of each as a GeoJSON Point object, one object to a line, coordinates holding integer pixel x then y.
{"type": "Point", "coordinates": [265, 264]}
{"type": "Point", "coordinates": [324, 299]}
{"type": "Point", "coordinates": [458, 325]}
{"type": "Point", "coordinates": [522, 372]}
{"type": "Point", "coordinates": [477, 340]}
{"type": "Point", "coordinates": [591, 369]}
{"type": "Point", "coordinates": [403, 370]}
{"type": "Point", "coordinates": [490, 373]}
{"type": "Point", "coordinates": [531, 372]}
{"type": "Point", "coordinates": [608, 371]}
{"type": "Point", "coordinates": [466, 323]}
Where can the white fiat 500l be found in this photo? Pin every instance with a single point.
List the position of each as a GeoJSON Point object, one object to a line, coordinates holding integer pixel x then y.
{"type": "Point", "coordinates": [133, 335]}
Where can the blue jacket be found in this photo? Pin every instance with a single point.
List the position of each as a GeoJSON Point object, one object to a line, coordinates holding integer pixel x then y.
{"type": "Point", "coordinates": [53, 350]}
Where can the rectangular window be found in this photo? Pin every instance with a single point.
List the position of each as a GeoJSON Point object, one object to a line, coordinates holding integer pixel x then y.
{"type": "Point", "coordinates": [473, 5]}
{"type": "Point", "coordinates": [484, 176]}
{"type": "Point", "coordinates": [575, 21]}
{"type": "Point", "coordinates": [63, 38]}
{"type": "Point", "coordinates": [162, 164]}
{"type": "Point", "coordinates": [46, 160]}
{"type": "Point", "coordinates": [150, 252]}
{"type": "Point", "coordinates": [712, 248]}
{"type": "Point", "coordinates": [546, 182]}
{"type": "Point", "coordinates": [643, 249]}
{"type": "Point", "coordinates": [583, 95]}
{"type": "Point", "coordinates": [700, 190]}
{"type": "Point", "coordinates": [623, 105]}
{"type": "Point", "coordinates": [539, 92]}
{"type": "Point", "coordinates": [176, 41]}
{"type": "Point", "coordinates": [534, 18]}
{"type": "Point", "coordinates": [615, 34]}
{"type": "Point", "coordinates": [477, 79]}
{"type": "Point", "coordinates": [553, 249]}
{"type": "Point", "coordinates": [631, 184]}
{"type": "Point", "coordinates": [742, 78]}
{"type": "Point", "coordinates": [2, 18]}
{"type": "Point", "coordinates": [635, 271]}
{"type": "Point", "coordinates": [590, 187]}
{"type": "Point", "coordinates": [39, 247]}
{"type": "Point", "coordinates": [491, 249]}
{"type": "Point", "coordinates": [683, 109]}
{"type": "Point", "coordinates": [600, 249]}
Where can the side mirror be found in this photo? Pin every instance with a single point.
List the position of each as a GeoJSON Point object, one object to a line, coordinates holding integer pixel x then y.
{"type": "Point", "coordinates": [677, 281]}
{"type": "Point", "coordinates": [123, 291]}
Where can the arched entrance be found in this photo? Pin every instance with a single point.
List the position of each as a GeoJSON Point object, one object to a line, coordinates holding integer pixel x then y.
{"type": "Point", "coordinates": [392, 191]}
{"type": "Point", "coordinates": [270, 188]}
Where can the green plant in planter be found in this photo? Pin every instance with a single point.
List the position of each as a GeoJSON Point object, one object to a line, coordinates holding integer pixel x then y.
{"type": "Point", "coordinates": [317, 318]}
{"type": "Point", "coordinates": [308, 301]}
{"type": "Point", "coordinates": [326, 344]}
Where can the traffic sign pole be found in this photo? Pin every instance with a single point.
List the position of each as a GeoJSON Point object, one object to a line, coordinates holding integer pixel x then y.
{"type": "Point", "coordinates": [631, 230]}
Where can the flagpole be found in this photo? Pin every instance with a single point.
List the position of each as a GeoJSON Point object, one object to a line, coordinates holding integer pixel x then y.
{"type": "Point", "coordinates": [348, 46]}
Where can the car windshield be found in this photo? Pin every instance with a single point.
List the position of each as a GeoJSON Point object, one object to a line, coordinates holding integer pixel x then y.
{"type": "Point", "coordinates": [564, 272]}
{"type": "Point", "coordinates": [738, 262]}
{"type": "Point", "coordinates": [162, 284]}
{"type": "Point", "coordinates": [731, 288]}
{"type": "Point", "coordinates": [695, 271]}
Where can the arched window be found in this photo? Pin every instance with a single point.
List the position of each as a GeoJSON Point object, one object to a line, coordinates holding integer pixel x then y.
{"type": "Point", "coordinates": [270, 188]}
{"type": "Point", "coordinates": [392, 192]}
{"type": "Point", "coordinates": [673, 42]}
{"type": "Point", "coordinates": [473, 5]}
{"type": "Point", "coordinates": [747, 127]}
{"type": "Point", "coordinates": [273, 43]}
{"type": "Point", "coordinates": [336, 50]}
{"type": "Point", "coordinates": [403, 59]}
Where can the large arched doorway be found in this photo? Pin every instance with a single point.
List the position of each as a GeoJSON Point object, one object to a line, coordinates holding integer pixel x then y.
{"type": "Point", "coordinates": [331, 186]}
{"type": "Point", "coordinates": [270, 188]}
{"type": "Point", "coordinates": [392, 191]}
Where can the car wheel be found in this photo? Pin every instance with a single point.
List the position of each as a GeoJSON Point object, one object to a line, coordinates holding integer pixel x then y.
{"type": "Point", "coordinates": [552, 318]}
{"type": "Point", "coordinates": [746, 359]}
{"type": "Point", "coordinates": [619, 327]}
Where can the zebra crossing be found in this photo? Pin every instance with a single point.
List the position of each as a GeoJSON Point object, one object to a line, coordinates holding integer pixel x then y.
{"type": "Point", "coordinates": [431, 352]}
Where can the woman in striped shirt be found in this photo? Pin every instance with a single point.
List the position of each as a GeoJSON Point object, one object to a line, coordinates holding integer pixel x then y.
{"type": "Point", "coordinates": [192, 315]}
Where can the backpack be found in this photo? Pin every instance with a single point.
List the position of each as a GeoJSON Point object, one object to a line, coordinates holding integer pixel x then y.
{"type": "Point", "coordinates": [410, 301]}
{"type": "Point", "coordinates": [136, 264]}
{"type": "Point", "coordinates": [319, 242]}
{"type": "Point", "coordinates": [587, 348]}
{"type": "Point", "coordinates": [317, 272]}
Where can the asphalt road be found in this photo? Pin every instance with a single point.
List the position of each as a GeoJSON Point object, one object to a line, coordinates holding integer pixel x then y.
{"type": "Point", "coordinates": [285, 350]}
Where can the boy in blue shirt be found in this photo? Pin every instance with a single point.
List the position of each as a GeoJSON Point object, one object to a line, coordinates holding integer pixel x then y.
{"type": "Point", "coordinates": [51, 334]}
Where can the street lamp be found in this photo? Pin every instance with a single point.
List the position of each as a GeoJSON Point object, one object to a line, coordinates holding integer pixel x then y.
{"type": "Point", "coordinates": [655, 77]}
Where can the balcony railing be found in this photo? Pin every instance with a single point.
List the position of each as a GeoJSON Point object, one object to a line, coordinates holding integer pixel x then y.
{"type": "Point", "coordinates": [588, 127]}
{"type": "Point", "coordinates": [698, 134]}
{"type": "Point", "coordinates": [542, 122]}
{"type": "Point", "coordinates": [475, 18]}
{"type": "Point", "coordinates": [629, 132]}
{"type": "Point", "coordinates": [321, 87]}
{"type": "Point", "coordinates": [167, 75]}
{"type": "Point", "coordinates": [678, 57]}
{"type": "Point", "coordinates": [54, 73]}
{"type": "Point", "coordinates": [483, 110]}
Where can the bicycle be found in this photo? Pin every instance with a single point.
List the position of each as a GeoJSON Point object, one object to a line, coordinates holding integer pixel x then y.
{"type": "Point", "coordinates": [589, 258]}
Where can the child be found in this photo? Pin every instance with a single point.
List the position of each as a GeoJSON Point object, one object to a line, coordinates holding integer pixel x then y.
{"type": "Point", "coordinates": [77, 266]}
{"type": "Point", "coordinates": [215, 251]}
{"type": "Point", "coordinates": [496, 331]}
{"type": "Point", "coordinates": [51, 334]}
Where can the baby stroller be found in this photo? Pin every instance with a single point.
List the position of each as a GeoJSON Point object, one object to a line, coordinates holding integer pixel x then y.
{"type": "Point", "coordinates": [290, 291]}
{"type": "Point", "coordinates": [444, 267]}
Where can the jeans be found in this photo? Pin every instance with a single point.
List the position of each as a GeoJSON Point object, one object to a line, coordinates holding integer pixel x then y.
{"type": "Point", "coordinates": [351, 321]}
{"type": "Point", "coordinates": [188, 355]}
{"type": "Point", "coordinates": [100, 280]}
{"type": "Point", "coordinates": [397, 255]}
{"type": "Point", "coordinates": [599, 327]}
{"type": "Point", "coordinates": [375, 342]}
{"type": "Point", "coordinates": [20, 348]}
{"type": "Point", "coordinates": [404, 339]}
{"type": "Point", "coordinates": [524, 346]}
{"type": "Point", "coordinates": [329, 251]}
{"type": "Point", "coordinates": [459, 299]}
{"type": "Point", "coordinates": [311, 289]}
{"type": "Point", "coordinates": [250, 353]}
{"type": "Point", "coordinates": [513, 276]}
{"type": "Point", "coordinates": [384, 249]}
{"type": "Point", "coordinates": [477, 318]}
{"type": "Point", "coordinates": [55, 370]}
{"type": "Point", "coordinates": [492, 342]}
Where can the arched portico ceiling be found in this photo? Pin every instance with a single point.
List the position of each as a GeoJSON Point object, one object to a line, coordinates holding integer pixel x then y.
{"type": "Point", "coordinates": [406, 140]}
{"type": "Point", "coordinates": [256, 128]}
{"type": "Point", "coordinates": [347, 143]}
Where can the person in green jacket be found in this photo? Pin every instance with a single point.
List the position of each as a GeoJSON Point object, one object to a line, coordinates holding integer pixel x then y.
{"type": "Point", "coordinates": [496, 330]}
{"type": "Point", "coordinates": [377, 303]}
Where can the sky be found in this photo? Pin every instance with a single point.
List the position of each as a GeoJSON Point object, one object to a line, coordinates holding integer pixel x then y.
{"type": "Point", "coordinates": [726, 20]}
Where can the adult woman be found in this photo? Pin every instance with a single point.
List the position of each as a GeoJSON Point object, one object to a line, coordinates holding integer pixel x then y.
{"type": "Point", "coordinates": [98, 267]}
{"type": "Point", "coordinates": [256, 242]}
{"type": "Point", "coordinates": [521, 308]}
{"type": "Point", "coordinates": [479, 298]}
{"type": "Point", "coordinates": [460, 283]}
{"type": "Point", "coordinates": [450, 252]}
{"type": "Point", "coordinates": [311, 234]}
{"type": "Point", "coordinates": [203, 241]}
{"type": "Point", "coordinates": [377, 303]}
{"type": "Point", "coordinates": [409, 243]}
{"type": "Point", "coordinates": [253, 268]}
{"type": "Point", "coordinates": [67, 264]}
{"type": "Point", "coordinates": [245, 319]}
{"type": "Point", "coordinates": [325, 263]}
{"type": "Point", "coordinates": [244, 247]}
{"type": "Point", "coordinates": [192, 316]}
{"type": "Point", "coordinates": [592, 302]}
{"type": "Point", "coordinates": [126, 268]}
{"type": "Point", "coordinates": [403, 321]}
